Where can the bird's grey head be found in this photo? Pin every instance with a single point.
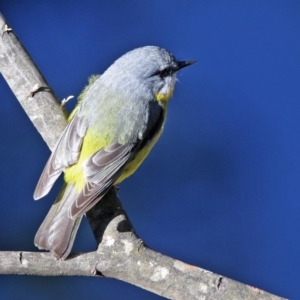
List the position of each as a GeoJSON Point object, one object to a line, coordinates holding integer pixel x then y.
{"type": "Point", "coordinates": [147, 71]}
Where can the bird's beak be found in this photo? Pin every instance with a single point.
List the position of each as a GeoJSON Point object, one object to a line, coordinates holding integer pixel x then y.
{"type": "Point", "coordinates": [185, 63]}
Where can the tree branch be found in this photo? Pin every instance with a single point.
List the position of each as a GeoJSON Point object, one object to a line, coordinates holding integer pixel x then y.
{"type": "Point", "coordinates": [121, 254]}
{"type": "Point", "coordinates": [30, 88]}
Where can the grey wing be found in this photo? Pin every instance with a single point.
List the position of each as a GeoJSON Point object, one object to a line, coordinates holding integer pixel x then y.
{"type": "Point", "coordinates": [106, 165]}
{"type": "Point", "coordinates": [66, 153]}
{"type": "Point", "coordinates": [101, 171]}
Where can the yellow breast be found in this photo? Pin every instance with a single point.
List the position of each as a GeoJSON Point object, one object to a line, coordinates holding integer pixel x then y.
{"type": "Point", "coordinates": [139, 158]}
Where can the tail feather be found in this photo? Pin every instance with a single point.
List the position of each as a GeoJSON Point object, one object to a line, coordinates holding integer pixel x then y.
{"type": "Point", "coordinates": [58, 231]}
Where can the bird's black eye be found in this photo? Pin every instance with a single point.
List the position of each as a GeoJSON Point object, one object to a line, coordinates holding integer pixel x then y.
{"type": "Point", "coordinates": [164, 72]}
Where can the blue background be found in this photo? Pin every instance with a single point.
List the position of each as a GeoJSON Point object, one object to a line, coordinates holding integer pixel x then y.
{"type": "Point", "coordinates": [221, 189]}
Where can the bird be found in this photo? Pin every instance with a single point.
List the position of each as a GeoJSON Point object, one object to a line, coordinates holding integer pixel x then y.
{"type": "Point", "coordinates": [119, 117]}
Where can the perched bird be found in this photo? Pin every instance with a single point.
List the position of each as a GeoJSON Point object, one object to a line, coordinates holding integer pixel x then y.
{"type": "Point", "coordinates": [119, 117]}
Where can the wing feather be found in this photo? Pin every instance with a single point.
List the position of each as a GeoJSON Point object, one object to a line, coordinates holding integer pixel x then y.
{"type": "Point", "coordinates": [101, 171]}
{"type": "Point", "coordinates": [66, 153]}
{"type": "Point", "coordinates": [104, 167]}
